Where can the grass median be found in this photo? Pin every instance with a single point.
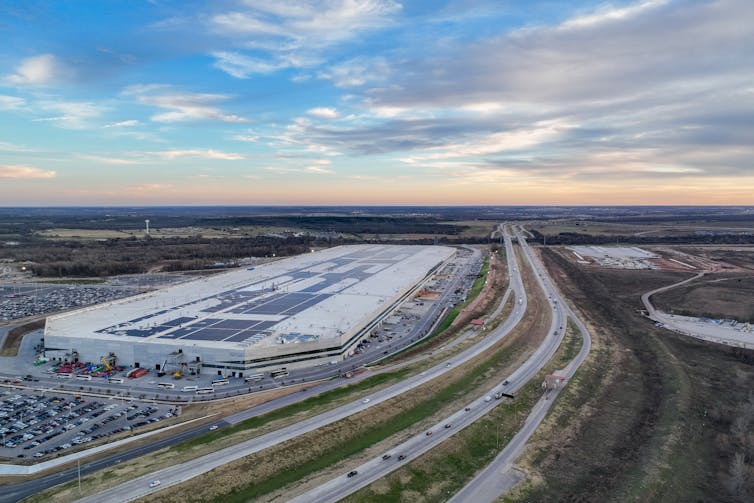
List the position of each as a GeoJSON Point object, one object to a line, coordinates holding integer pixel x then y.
{"type": "Point", "coordinates": [446, 469]}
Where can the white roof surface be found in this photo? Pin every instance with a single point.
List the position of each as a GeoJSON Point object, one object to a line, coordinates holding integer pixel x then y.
{"type": "Point", "coordinates": [322, 294]}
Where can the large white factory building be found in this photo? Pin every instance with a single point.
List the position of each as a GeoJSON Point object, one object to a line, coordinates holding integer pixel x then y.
{"type": "Point", "coordinates": [285, 314]}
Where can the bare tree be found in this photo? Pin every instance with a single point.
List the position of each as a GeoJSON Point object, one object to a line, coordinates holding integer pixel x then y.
{"type": "Point", "coordinates": [738, 476]}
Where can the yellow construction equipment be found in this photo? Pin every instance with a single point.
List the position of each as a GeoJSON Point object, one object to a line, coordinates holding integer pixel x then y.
{"type": "Point", "coordinates": [177, 375]}
{"type": "Point", "coordinates": [106, 364]}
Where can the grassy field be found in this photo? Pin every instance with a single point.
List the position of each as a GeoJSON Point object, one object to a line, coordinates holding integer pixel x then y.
{"type": "Point", "coordinates": [446, 469]}
{"type": "Point", "coordinates": [652, 416]}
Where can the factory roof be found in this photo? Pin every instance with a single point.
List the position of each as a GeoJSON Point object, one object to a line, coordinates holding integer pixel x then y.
{"type": "Point", "coordinates": [322, 294]}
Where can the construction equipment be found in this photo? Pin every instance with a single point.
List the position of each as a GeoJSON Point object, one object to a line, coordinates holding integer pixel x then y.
{"type": "Point", "coordinates": [161, 372]}
{"type": "Point", "coordinates": [177, 375]}
{"type": "Point", "coordinates": [106, 364]}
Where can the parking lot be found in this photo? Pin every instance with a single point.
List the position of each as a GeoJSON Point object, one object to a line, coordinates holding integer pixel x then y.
{"type": "Point", "coordinates": [19, 300]}
{"type": "Point", "coordinates": [36, 425]}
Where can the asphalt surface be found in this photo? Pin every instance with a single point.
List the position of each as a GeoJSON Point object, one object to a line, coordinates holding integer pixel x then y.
{"type": "Point", "coordinates": [176, 474]}
{"type": "Point", "coordinates": [374, 469]}
{"type": "Point", "coordinates": [145, 388]}
{"type": "Point", "coordinates": [500, 475]}
{"type": "Point", "coordinates": [18, 491]}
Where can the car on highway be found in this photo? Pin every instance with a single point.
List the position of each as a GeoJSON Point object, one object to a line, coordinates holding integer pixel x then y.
{"type": "Point", "coordinates": [488, 398]}
{"type": "Point", "coordinates": [386, 456]}
{"type": "Point", "coordinates": [467, 409]}
{"type": "Point", "coordinates": [352, 473]}
{"type": "Point", "coordinates": [213, 427]}
{"type": "Point", "coordinates": [429, 433]}
{"type": "Point", "coordinates": [448, 425]}
{"type": "Point", "coordinates": [506, 382]}
{"type": "Point", "coordinates": [154, 483]}
{"type": "Point", "coordinates": [401, 457]}
{"type": "Point", "coordinates": [366, 400]}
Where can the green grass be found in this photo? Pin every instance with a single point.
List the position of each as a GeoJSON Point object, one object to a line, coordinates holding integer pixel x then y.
{"type": "Point", "coordinates": [71, 281]}
{"type": "Point", "coordinates": [453, 313]}
{"type": "Point", "coordinates": [477, 446]}
{"type": "Point", "coordinates": [321, 400]}
{"type": "Point", "coordinates": [571, 345]}
{"type": "Point", "coordinates": [376, 432]}
{"type": "Point", "coordinates": [478, 282]}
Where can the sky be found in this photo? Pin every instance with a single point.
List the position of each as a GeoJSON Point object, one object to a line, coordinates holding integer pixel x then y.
{"type": "Point", "coordinates": [376, 102]}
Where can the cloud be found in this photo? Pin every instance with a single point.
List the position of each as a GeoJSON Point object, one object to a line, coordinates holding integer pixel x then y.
{"type": "Point", "coordinates": [294, 34]}
{"type": "Point", "coordinates": [246, 138]}
{"type": "Point", "coordinates": [667, 82]}
{"type": "Point", "coordinates": [319, 170]}
{"type": "Point", "coordinates": [72, 114]}
{"type": "Point", "coordinates": [242, 67]}
{"type": "Point", "coordinates": [323, 112]}
{"type": "Point", "coordinates": [23, 172]}
{"type": "Point", "coordinates": [357, 72]}
{"type": "Point", "coordinates": [38, 70]}
{"type": "Point", "coordinates": [150, 187]}
{"type": "Point", "coordinates": [108, 159]}
{"type": "Point", "coordinates": [197, 154]}
{"type": "Point", "coordinates": [11, 102]}
{"type": "Point", "coordinates": [182, 106]}
{"type": "Point", "coordinates": [128, 123]}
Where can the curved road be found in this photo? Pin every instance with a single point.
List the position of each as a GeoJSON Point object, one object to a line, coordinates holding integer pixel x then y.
{"type": "Point", "coordinates": [500, 476]}
{"type": "Point", "coordinates": [139, 487]}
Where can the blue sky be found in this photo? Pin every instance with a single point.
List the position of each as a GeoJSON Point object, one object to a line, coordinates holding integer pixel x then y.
{"type": "Point", "coordinates": [376, 102]}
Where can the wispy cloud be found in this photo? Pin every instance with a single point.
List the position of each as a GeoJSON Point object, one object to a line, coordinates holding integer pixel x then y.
{"type": "Point", "coordinates": [197, 154]}
{"type": "Point", "coordinates": [121, 124]}
{"type": "Point", "coordinates": [11, 102]}
{"type": "Point", "coordinates": [13, 172]}
{"type": "Point", "coordinates": [242, 67]}
{"type": "Point", "coordinates": [182, 106]}
{"type": "Point", "coordinates": [357, 72]}
{"type": "Point", "coordinates": [70, 114]}
{"type": "Point", "coordinates": [38, 71]}
{"type": "Point", "coordinates": [294, 34]}
{"type": "Point", "coordinates": [323, 112]}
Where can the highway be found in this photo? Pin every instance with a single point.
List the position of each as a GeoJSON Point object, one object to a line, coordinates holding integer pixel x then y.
{"type": "Point", "coordinates": [20, 490]}
{"type": "Point", "coordinates": [374, 469]}
{"type": "Point", "coordinates": [139, 487]}
{"type": "Point", "coordinates": [500, 476]}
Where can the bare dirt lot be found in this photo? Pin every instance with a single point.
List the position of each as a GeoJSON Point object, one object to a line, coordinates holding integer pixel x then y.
{"type": "Point", "coordinates": [713, 296]}
{"type": "Point", "coordinates": [653, 416]}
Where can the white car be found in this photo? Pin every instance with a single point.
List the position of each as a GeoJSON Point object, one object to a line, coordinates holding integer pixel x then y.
{"type": "Point", "coordinates": [213, 427]}
{"type": "Point", "coordinates": [154, 483]}
{"type": "Point", "coordinates": [366, 400]}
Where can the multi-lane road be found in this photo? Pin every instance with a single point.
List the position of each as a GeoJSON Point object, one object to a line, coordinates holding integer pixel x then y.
{"type": "Point", "coordinates": [398, 455]}
{"type": "Point", "coordinates": [176, 474]}
{"type": "Point", "coordinates": [500, 476]}
{"type": "Point", "coordinates": [480, 489]}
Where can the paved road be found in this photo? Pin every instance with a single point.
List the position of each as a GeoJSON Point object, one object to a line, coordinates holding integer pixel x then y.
{"type": "Point", "coordinates": [16, 366]}
{"type": "Point", "coordinates": [695, 327]}
{"type": "Point", "coordinates": [180, 473]}
{"type": "Point", "coordinates": [376, 468]}
{"type": "Point", "coordinates": [500, 475]}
